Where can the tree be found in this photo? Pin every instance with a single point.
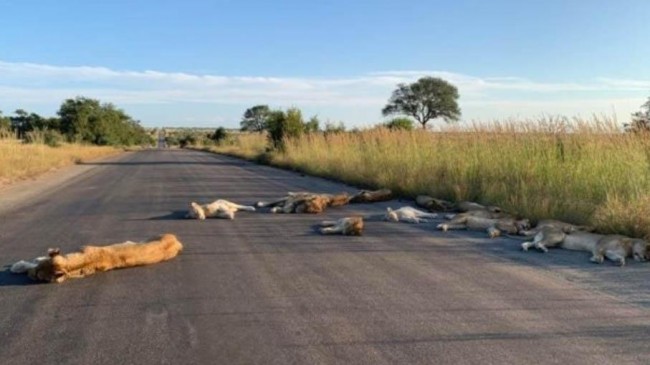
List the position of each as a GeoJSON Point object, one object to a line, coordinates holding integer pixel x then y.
{"type": "Point", "coordinates": [331, 127]}
{"type": "Point", "coordinates": [283, 125]}
{"type": "Point", "coordinates": [5, 122]}
{"type": "Point", "coordinates": [426, 99]}
{"type": "Point", "coordinates": [400, 124]}
{"type": "Point", "coordinates": [640, 120]}
{"type": "Point", "coordinates": [87, 120]}
{"type": "Point", "coordinates": [219, 135]}
{"type": "Point", "coordinates": [255, 118]}
{"type": "Point", "coordinates": [313, 125]}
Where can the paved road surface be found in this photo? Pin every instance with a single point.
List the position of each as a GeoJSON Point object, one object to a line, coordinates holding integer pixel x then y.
{"type": "Point", "coordinates": [265, 289]}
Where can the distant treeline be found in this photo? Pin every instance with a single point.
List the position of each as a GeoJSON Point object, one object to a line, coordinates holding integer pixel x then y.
{"type": "Point", "coordinates": [79, 120]}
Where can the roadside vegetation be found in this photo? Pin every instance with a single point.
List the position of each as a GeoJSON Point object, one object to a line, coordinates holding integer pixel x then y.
{"type": "Point", "coordinates": [84, 129]}
{"type": "Point", "coordinates": [20, 161]}
{"type": "Point", "coordinates": [585, 171]}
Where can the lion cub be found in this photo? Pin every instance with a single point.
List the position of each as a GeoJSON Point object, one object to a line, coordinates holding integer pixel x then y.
{"type": "Point", "coordinates": [349, 226]}
{"type": "Point", "coordinates": [56, 268]}
{"type": "Point", "coordinates": [220, 208]}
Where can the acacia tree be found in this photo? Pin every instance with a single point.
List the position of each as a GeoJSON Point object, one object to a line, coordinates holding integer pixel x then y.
{"type": "Point", "coordinates": [426, 99]}
{"type": "Point", "coordinates": [255, 119]}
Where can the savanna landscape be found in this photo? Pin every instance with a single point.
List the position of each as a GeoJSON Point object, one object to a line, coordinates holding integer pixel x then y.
{"type": "Point", "coordinates": [325, 183]}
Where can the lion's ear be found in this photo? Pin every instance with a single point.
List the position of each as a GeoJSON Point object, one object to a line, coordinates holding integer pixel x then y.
{"type": "Point", "coordinates": [53, 252]}
{"type": "Point", "coordinates": [388, 209]}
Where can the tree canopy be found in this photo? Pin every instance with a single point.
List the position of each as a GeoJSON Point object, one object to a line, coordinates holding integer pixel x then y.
{"type": "Point", "coordinates": [87, 120]}
{"type": "Point", "coordinates": [426, 99]}
{"type": "Point", "coordinates": [255, 118]}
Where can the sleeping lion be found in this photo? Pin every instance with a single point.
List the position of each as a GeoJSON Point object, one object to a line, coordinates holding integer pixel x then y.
{"type": "Point", "coordinates": [349, 226]}
{"type": "Point", "coordinates": [614, 247]}
{"type": "Point", "coordinates": [372, 196]}
{"type": "Point", "coordinates": [56, 268]}
{"type": "Point", "coordinates": [305, 202]}
{"type": "Point", "coordinates": [220, 208]}
{"type": "Point", "coordinates": [493, 226]}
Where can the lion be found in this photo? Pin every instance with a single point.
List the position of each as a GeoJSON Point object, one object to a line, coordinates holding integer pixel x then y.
{"type": "Point", "coordinates": [349, 226]}
{"type": "Point", "coordinates": [305, 202]}
{"type": "Point", "coordinates": [369, 196]}
{"type": "Point", "coordinates": [56, 268]}
{"type": "Point", "coordinates": [466, 206]}
{"type": "Point", "coordinates": [552, 223]}
{"type": "Point", "coordinates": [493, 226]}
{"type": "Point", "coordinates": [433, 204]}
{"type": "Point", "coordinates": [617, 248]}
{"type": "Point", "coordinates": [408, 215]}
{"type": "Point", "coordinates": [551, 236]}
{"type": "Point", "coordinates": [614, 247]}
{"type": "Point", "coordinates": [217, 209]}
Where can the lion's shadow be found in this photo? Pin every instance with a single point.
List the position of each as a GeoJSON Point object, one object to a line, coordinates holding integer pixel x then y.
{"type": "Point", "coordinates": [7, 278]}
{"type": "Point", "coordinates": [171, 216]}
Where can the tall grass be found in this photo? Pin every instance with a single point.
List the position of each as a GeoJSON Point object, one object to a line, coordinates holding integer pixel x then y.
{"type": "Point", "coordinates": [581, 171]}
{"type": "Point", "coordinates": [19, 161]}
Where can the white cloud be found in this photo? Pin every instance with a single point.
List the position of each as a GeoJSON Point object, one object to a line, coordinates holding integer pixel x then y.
{"type": "Point", "coordinates": [489, 97]}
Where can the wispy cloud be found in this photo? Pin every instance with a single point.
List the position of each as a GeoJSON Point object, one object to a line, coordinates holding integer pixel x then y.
{"type": "Point", "coordinates": [491, 96]}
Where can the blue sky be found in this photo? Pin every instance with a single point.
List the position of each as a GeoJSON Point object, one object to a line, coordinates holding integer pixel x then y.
{"type": "Point", "coordinates": [202, 63]}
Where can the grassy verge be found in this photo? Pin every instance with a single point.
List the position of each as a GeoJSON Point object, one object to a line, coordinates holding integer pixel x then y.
{"type": "Point", "coordinates": [19, 161]}
{"type": "Point", "coordinates": [587, 173]}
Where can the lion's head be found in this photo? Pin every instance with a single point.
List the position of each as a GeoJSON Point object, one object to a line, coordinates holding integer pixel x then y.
{"type": "Point", "coordinates": [391, 215]}
{"type": "Point", "coordinates": [48, 270]}
{"type": "Point", "coordinates": [196, 211]}
{"type": "Point", "coordinates": [640, 249]}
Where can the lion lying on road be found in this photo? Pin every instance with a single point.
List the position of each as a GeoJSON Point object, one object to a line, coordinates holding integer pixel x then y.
{"type": "Point", "coordinates": [433, 204]}
{"type": "Point", "coordinates": [349, 226]}
{"type": "Point", "coordinates": [494, 226]}
{"type": "Point", "coordinates": [408, 215]}
{"type": "Point", "coordinates": [369, 196]}
{"type": "Point", "coordinates": [552, 223]}
{"type": "Point", "coordinates": [56, 268]}
{"type": "Point", "coordinates": [617, 248]}
{"type": "Point", "coordinates": [305, 202]}
{"type": "Point", "coordinates": [614, 247]}
{"type": "Point", "coordinates": [217, 209]}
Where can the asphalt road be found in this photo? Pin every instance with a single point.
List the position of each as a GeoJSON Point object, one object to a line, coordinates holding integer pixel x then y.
{"type": "Point", "coordinates": [266, 289]}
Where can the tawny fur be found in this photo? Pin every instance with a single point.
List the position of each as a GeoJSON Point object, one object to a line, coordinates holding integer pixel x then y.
{"type": "Point", "coordinates": [349, 226]}
{"type": "Point", "coordinates": [58, 268]}
{"type": "Point", "coordinates": [305, 202]}
{"type": "Point", "coordinates": [549, 237]}
{"type": "Point", "coordinates": [555, 224]}
{"type": "Point", "coordinates": [372, 196]}
{"type": "Point", "coordinates": [618, 248]}
{"type": "Point", "coordinates": [466, 206]}
{"type": "Point", "coordinates": [220, 208]}
{"type": "Point", "coordinates": [493, 226]}
{"type": "Point", "coordinates": [433, 204]}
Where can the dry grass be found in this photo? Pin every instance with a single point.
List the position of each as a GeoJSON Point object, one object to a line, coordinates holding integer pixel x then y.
{"type": "Point", "coordinates": [581, 171]}
{"type": "Point", "coordinates": [20, 161]}
{"type": "Point", "coordinates": [248, 145]}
